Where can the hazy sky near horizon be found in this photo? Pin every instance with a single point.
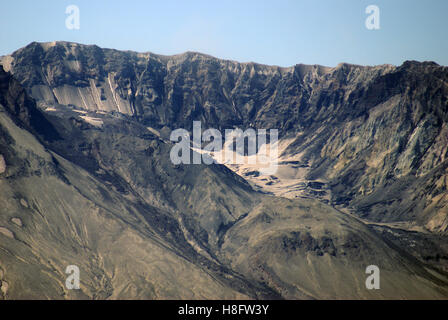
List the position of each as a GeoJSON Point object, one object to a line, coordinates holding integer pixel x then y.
{"type": "Point", "coordinates": [281, 32]}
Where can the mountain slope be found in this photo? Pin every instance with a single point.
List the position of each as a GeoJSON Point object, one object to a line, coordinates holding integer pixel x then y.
{"type": "Point", "coordinates": [360, 130]}
{"type": "Point", "coordinates": [54, 214]}
{"type": "Point", "coordinates": [97, 182]}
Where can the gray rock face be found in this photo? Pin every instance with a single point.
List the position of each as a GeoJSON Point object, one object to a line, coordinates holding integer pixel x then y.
{"type": "Point", "coordinates": [109, 198]}
{"type": "Point", "coordinates": [365, 130]}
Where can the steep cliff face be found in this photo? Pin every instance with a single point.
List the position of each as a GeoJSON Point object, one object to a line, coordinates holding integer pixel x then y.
{"type": "Point", "coordinates": [389, 160]}
{"type": "Point", "coordinates": [85, 182]}
{"type": "Point", "coordinates": [175, 90]}
{"type": "Point", "coordinates": [363, 131]}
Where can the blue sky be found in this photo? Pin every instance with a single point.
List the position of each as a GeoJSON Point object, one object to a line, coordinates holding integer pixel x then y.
{"type": "Point", "coordinates": [281, 32]}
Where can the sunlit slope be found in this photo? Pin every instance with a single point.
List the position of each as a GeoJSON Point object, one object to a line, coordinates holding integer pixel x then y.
{"type": "Point", "coordinates": [64, 216]}
{"type": "Point", "coordinates": [306, 249]}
